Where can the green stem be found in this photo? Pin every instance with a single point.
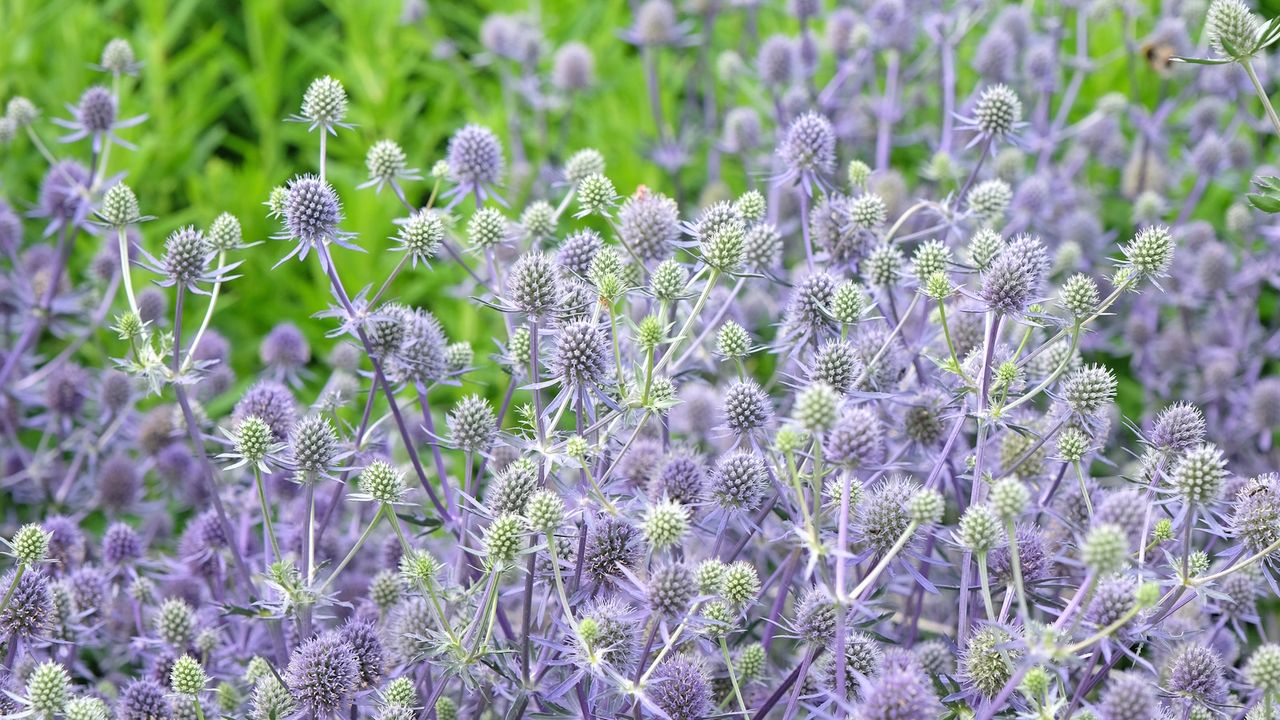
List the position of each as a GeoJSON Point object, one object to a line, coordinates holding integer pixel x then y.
{"type": "Point", "coordinates": [1262, 94]}
{"type": "Point", "coordinates": [985, 582]}
{"type": "Point", "coordinates": [1084, 489]}
{"type": "Point", "coordinates": [555, 570]}
{"type": "Point", "coordinates": [733, 676]}
{"type": "Point", "coordinates": [266, 512]}
{"type": "Point", "coordinates": [125, 273]}
{"type": "Point", "coordinates": [1016, 565]}
{"type": "Point", "coordinates": [951, 347]}
{"type": "Point", "coordinates": [352, 553]}
{"type": "Point", "coordinates": [712, 276]}
{"type": "Point", "coordinates": [1062, 366]}
{"type": "Point", "coordinates": [208, 314]}
{"type": "Point", "coordinates": [870, 579]}
{"type": "Point", "coordinates": [13, 586]}
{"type": "Point", "coordinates": [1260, 555]}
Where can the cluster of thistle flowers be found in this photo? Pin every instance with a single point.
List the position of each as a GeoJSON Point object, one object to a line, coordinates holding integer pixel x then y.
{"type": "Point", "coordinates": [814, 449]}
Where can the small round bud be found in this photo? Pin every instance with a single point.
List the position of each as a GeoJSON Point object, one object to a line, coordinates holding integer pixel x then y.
{"type": "Point", "coordinates": [848, 303]}
{"type": "Point", "coordinates": [710, 576]}
{"type": "Point", "coordinates": [867, 211]}
{"type": "Point", "coordinates": [998, 111]}
{"type": "Point", "coordinates": [253, 438]}
{"type": "Point", "coordinates": [984, 246]}
{"type": "Point", "coordinates": [30, 544]}
{"type": "Point", "coordinates": [883, 266]}
{"type": "Point", "coordinates": [1105, 549]}
{"type": "Point", "coordinates": [1080, 295]}
{"type": "Point", "coordinates": [48, 688]}
{"type": "Point", "coordinates": [751, 662]}
{"type": "Point", "coordinates": [187, 677]}
{"type": "Point", "coordinates": [668, 280]}
{"type": "Point", "coordinates": [419, 567]}
{"type": "Point", "coordinates": [545, 511]}
{"type": "Point", "coordinates": [859, 172]}
{"type": "Point", "coordinates": [174, 622]}
{"type": "Point", "coordinates": [538, 220]}
{"type": "Point", "coordinates": [1009, 497]}
{"type": "Point", "coordinates": [382, 483]}
{"type": "Point", "coordinates": [751, 206]}
{"type": "Point", "coordinates": [325, 102]}
{"type": "Point", "coordinates": [817, 407]}
{"type": "Point", "coordinates": [488, 227]}
{"type": "Point", "coordinates": [473, 425]}
{"type": "Point", "coordinates": [809, 146]}
{"type": "Point", "coordinates": [938, 287]}
{"type": "Point", "coordinates": [583, 164]}
{"type": "Point", "coordinates": [86, 708]}
{"type": "Point", "coordinates": [225, 233]}
{"type": "Point", "coordinates": [650, 333]}
{"type": "Point", "coordinates": [474, 157]}
{"type": "Point", "coordinates": [533, 284]}
{"type": "Point", "coordinates": [741, 584]}
{"type": "Point", "coordinates": [120, 206]}
{"type": "Point", "coordinates": [1232, 28]}
{"type": "Point", "coordinates": [671, 589]}
{"type": "Point", "coordinates": [930, 257]}
{"type": "Point", "coordinates": [458, 356]}
{"type": "Point", "coordinates": [926, 507]}
{"type": "Point", "coordinates": [980, 529]}
{"type": "Point", "coordinates": [987, 663]}
{"type": "Point", "coordinates": [1150, 253]}
{"type": "Point", "coordinates": [1200, 474]}
{"type": "Point", "coordinates": [577, 447]}
{"type": "Point", "coordinates": [665, 524]}
{"type": "Point", "coordinates": [313, 445]}
{"type": "Point", "coordinates": [400, 692]}
{"type": "Point", "coordinates": [502, 539]}
{"type": "Point", "coordinates": [732, 341]}
{"type": "Point", "coordinates": [385, 161]}
{"type": "Point", "coordinates": [21, 111]}
{"type": "Point", "coordinates": [1089, 390]}
{"type": "Point", "coordinates": [1263, 669]}
{"type": "Point", "coordinates": [421, 234]}
{"type": "Point", "coordinates": [989, 200]}
{"type": "Point", "coordinates": [596, 195]}
{"type": "Point", "coordinates": [1072, 444]}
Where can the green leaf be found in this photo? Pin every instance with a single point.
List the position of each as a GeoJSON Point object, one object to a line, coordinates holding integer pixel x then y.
{"type": "Point", "coordinates": [1268, 182]}
{"type": "Point", "coordinates": [1268, 203]}
{"type": "Point", "coordinates": [1202, 61]}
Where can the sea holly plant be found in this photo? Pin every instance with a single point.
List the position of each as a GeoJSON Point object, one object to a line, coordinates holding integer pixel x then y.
{"type": "Point", "coordinates": [979, 425]}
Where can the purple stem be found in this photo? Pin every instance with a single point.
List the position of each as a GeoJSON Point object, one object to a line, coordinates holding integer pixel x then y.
{"type": "Point", "coordinates": [37, 320]}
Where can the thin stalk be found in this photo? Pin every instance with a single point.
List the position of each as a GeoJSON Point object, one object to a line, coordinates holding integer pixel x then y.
{"type": "Point", "coordinates": [13, 586]}
{"type": "Point", "coordinates": [870, 579]}
{"type": "Point", "coordinates": [266, 513]}
{"type": "Point", "coordinates": [1016, 565]}
{"type": "Point", "coordinates": [208, 313]}
{"type": "Point", "coordinates": [985, 582]}
{"type": "Point", "coordinates": [1247, 64]}
{"type": "Point", "coordinates": [125, 272]}
{"type": "Point", "coordinates": [373, 523]}
{"type": "Point", "coordinates": [733, 676]}
{"type": "Point", "coordinates": [712, 276]}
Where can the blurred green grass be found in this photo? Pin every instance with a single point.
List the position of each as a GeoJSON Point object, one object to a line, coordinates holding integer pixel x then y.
{"type": "Point", "coordinates": [219, 78]}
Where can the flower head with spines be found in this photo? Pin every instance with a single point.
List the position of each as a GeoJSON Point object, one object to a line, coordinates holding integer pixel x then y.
{"type": "Point", "coordinates": [324, 106]}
